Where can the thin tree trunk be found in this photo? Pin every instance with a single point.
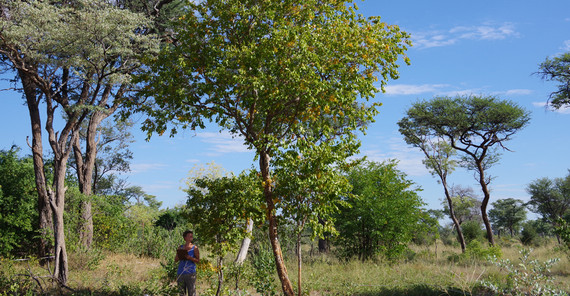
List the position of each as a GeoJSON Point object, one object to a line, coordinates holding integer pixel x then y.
{"type": "Point", "coordinates": [486, 197]}
{"type": "Point", "coordinates": [299, 263]}
{"type": "Point", "coordinates": [273, 236]}
{"type": "Point", "coordinates": [460, 236]}
{"type": "Point", "coordinates": [242, 254]}
{"type": "Point", "coordinates": [220, 276]}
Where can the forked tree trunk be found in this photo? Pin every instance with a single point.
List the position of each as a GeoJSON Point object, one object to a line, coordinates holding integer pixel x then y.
{"type": "Point", "coordinates": [273, 236]}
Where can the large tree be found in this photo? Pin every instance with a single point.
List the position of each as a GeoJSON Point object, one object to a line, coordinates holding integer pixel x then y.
{"type": "Point", "coordinates": [271, 72]}
{"type": "Point", "coordinates": [551, 199]}
{"type": "Point", "coordinates": [508, 214]}
{"type": "Point", "coordinates": [75, 57]}
{"type": "Point", "coordinates": [473, 125]}
{"type": "Point", "coordinates": [558, 69]}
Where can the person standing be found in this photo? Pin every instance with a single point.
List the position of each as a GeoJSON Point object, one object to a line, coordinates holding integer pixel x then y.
{"type": "Point", "coordinates": [187, 257]}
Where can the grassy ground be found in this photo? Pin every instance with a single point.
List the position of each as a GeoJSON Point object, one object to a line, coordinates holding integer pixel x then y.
{"type": "Point", "coordinates": [425, 272]}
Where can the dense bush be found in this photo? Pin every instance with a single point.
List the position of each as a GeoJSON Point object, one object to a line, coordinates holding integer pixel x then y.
{"type": "Point", "coordinates": [472, 231]}
{"type": "Point", "coordinates": [18, 200]}
{"type": "Point", "coordinates": [383, 217]}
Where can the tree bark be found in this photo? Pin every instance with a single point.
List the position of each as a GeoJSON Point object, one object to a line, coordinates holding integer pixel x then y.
{"type": "Point", "coordinates": [299, 264]}
{"type": "Point", "coordinates": [242, 254]}
{"type": "Point", "coordinates": [44, 208]}
{"type": "Point", "coordinates": [486, 197]}
{"type": "Point", "coordinates": [264, 159]}
{"type": "Point", "coordinates": [460, 236]}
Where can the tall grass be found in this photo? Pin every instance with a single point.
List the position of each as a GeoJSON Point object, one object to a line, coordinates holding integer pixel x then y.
{"type": "Point", "coordinates": [422, 272]}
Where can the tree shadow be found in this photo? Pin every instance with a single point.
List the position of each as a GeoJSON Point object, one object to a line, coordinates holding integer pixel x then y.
{"type": "Point", "coordinates": [416, 290]}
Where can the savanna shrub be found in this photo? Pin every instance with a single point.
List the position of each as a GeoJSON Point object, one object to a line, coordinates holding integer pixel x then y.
{"type": "Point", "coordinates": [472, 231]}
{"type": "Point", "coordinates": [529, 236]}
{"type": "Point", "coordinates": [529, 277]}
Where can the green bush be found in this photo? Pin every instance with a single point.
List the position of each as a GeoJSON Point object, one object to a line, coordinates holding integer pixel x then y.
{"type": "Point", "coordinates": [529, 235]}
{"type": "Point", "coordinates": [472, 231]}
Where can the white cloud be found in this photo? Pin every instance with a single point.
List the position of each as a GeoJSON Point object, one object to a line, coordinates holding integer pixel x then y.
{"type": "Point", "coordinates": [410, 89]}
{"type": "Point", "coordinates": [485, 31]}
{"type": "Point", "coordinates": [544, 105]}
{"type": "Point", "coordinates": [145, 167]}
{"type": "Point", "coordinates": [513, 92]}
{"type": "Point", "coordinates": [566, 46]}
{"type": "Point", "coordinates": [223, 142]}
{"type": "Point", "coordinates": [409, 159]}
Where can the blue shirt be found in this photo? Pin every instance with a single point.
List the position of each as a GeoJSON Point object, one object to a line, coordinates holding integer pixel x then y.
{"type": "Point", "coordinates": [187, 266]}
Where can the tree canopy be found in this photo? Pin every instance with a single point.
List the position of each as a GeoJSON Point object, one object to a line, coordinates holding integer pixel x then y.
{"type": "Point", "coordinates": [474, 125]}
{"type": "Point", "coordinates": [558, 69]}
{"type": "Point", "coordinates": [275, 73]}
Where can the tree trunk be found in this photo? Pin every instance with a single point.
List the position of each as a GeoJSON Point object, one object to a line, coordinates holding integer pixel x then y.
{"type": "Point", "coordinates": [58, 206]}
{"type": "Point", "coordinates": [44, 209]}
{"type": "Point", "coordinates": [273, 236]}
{"type": "Point", "coordinates": [242, 254]}
{"type": "Point", "coordinates": [324, 245]}
{"type": "Point", "coordinates": [460, 236]}
{"type": "Point", "coordinates": [299, 263]}
{"type": "Point", "coordinates": [85, 168]}
{"type": "Point", "coordinates": [486, 197]}
{"type": "Point", "coordinates": [220, 276]}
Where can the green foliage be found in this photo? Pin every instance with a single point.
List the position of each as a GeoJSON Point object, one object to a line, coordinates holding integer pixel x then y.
{"type": "Point", "coordinates": [476, 252]}
{"type": "Point", "coordinates": [383, 216]}
{"type": "Point", "coordinates": [529, 235]}
{"type": "Point", "coordinates": [551, 199]}
{"type": "Point", "coordinates": [18, 200]}
{"type": "Point", "coordinates": [219, 209]}
{"type": "Point", "coordinates": [556, 69]}
{"type": "Point", "coordinates": [263, 265]}
{"type": "Point", "coordinates": [472, 231]}
{"type": "Point", "coordinates": [508, 214]}
{"type": "Point", "coordinates": [529, 277]}
{"type": "Point", "coordinates": [170, 219]}
{"type": "Point", "coordinates": [563, 231]}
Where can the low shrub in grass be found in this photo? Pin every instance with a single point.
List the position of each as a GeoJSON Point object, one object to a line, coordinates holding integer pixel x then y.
{"type": "Point", "coordinates": [475, 251]}
{"type": "Point", "coordinates": [529, 277]}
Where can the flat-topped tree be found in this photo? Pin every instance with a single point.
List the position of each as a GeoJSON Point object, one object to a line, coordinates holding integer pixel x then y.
{"type": "Point", "coordinates": [473, 125]}
{"type": "Point", "coordinates": [265, 69]}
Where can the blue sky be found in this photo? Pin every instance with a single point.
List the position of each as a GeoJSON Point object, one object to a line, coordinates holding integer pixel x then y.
{"type": "Point", "coordinates": [460, 48]}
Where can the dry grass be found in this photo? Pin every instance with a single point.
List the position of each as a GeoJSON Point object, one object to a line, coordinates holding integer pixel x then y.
{"type": "Point", "coordinates": [428, 273]}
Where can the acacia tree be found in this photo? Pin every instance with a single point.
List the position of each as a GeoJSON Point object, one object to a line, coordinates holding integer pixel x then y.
{"type": "Point", "coordinates": [264, 69]}
{"type": "Point", "coordinates": [557, 69]}
{"type": "Point", "coordinates": [438, 160]}
{"type": "Point", "coordinates": [77, 57]}
{"type": "Point", "coordinates": [508, 214]}
{"type": "Point", "coordinates": [473, 125]}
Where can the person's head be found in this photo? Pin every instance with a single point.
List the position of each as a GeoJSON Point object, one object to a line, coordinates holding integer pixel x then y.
{"type": "Point", "coordinates": [188, 235]}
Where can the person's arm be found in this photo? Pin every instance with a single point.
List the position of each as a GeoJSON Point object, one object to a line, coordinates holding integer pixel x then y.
{"type": "Point", "coordinates": [176, 259]}
{"type": "Point", "coordinates": [196, 258]}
